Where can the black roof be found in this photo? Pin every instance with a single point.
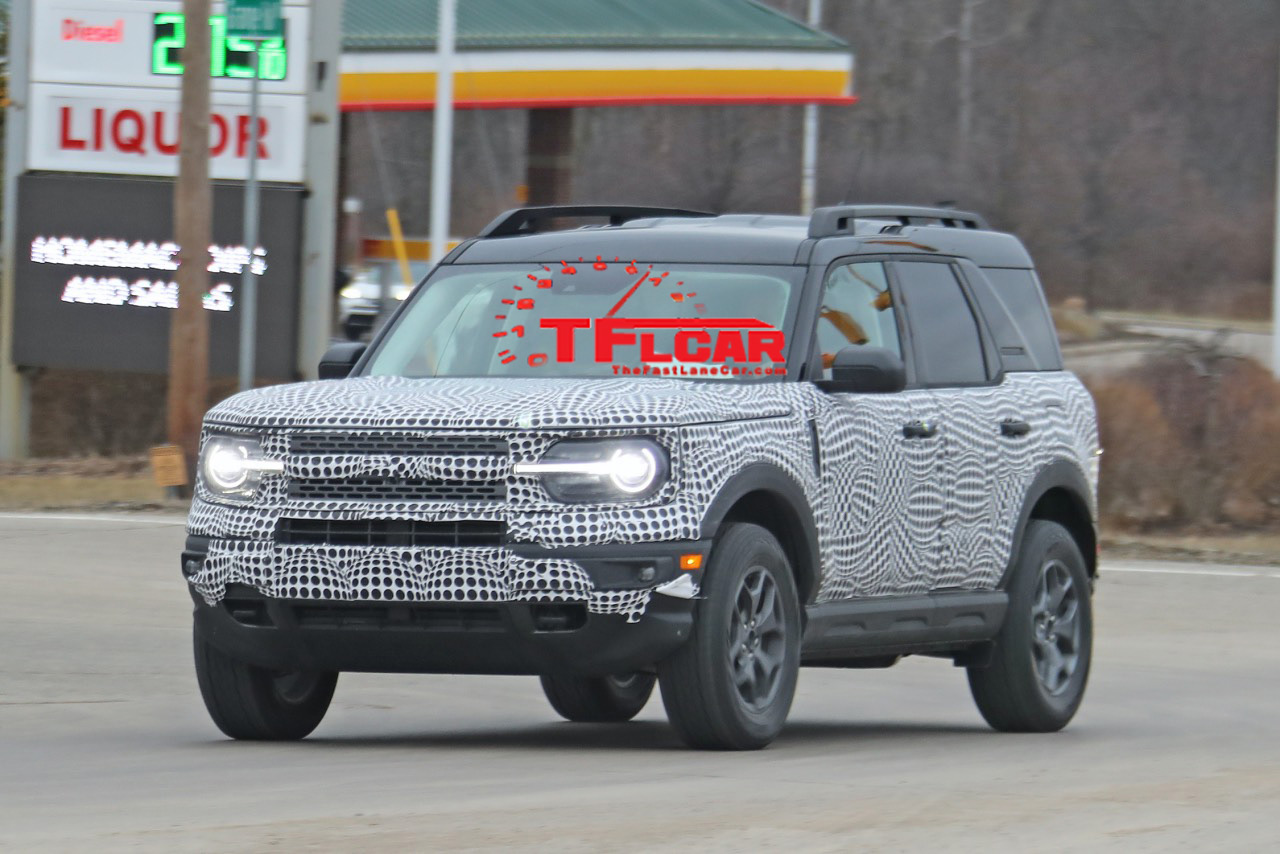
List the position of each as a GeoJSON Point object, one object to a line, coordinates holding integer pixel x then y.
{"type": "Point", "coordinates": [693, 237]}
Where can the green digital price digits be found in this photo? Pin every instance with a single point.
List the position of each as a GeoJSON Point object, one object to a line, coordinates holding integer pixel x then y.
{"type": "Point", "coordinates": [230, 56]}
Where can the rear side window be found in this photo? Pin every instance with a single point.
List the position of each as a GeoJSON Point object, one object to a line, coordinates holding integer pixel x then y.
{"type": "Point", "coordinates": [1014, 301]}
{"type": "Point", "coordinates": [945, 335]}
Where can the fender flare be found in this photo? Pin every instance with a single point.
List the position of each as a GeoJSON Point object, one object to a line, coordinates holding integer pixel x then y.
{"type": "Point", "coordinates": [794, 526]}
{"type": "Point", "coordinates": [1059, 474]}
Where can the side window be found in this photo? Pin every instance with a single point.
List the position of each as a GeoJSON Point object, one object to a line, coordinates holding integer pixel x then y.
{"type": "Point", "coordinates": [947, 343]}
{"type": "Point", "coordinates": [1018, 292]}
{"type": "Point", "coordinates": [857, 310]}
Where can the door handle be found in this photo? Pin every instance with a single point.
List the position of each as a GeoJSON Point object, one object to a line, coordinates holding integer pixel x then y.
{"type": "Point", "coordinates": [1014, 427]}
{"type": "Point", "coordinates": [919, 429]}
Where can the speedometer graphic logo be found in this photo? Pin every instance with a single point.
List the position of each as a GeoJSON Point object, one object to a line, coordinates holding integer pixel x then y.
{"type": "Point", "coordinates": [521, 304]}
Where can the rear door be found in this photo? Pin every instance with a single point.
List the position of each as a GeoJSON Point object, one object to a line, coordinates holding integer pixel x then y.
{"type": "Point", "coordinates": [957, 362]}
{"type": "Point", "coordinates": [879, 455]}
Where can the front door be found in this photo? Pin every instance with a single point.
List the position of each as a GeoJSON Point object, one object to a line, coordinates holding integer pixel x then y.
{"type": "Point", "coordinates": [880, 454]}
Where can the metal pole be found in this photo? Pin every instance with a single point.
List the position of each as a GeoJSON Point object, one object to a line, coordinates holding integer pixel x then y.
{"type": "Point", "coordinates": [248, 279]}
{"type": "Point", "coordinates": [316, 297]}
{"type": "Point", "coordinates": [1275, 289]}
{"type": "Point", "coordinates": [809, 147]}
{"type": "Point", "coordinates": [442, 136]}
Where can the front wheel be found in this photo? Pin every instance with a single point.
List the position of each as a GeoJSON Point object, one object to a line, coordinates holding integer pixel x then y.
{"type": "Point", "coordinates": [1036, 677]}
{"type": "Point", "coordinates": [730, 687]}
{"type": "Point", "coordinates": [603, 699]}
{"type": "Point", "coordinates": [254, 703]}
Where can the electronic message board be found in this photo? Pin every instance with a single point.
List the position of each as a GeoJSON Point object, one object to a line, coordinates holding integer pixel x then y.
{"type": "Point", "coordinates": [95, 275]}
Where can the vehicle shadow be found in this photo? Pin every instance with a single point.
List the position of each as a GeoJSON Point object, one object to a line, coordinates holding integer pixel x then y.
{"type": "Point", "coordinates": [647, 736]}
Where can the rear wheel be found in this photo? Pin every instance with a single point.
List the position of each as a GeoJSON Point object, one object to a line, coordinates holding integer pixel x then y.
{"type": "Point", "coordinates": [603, 699]}
{"type": "Point", "coordinates": [255, 703]}
{"type": "Point", "coordinates": [730, 687]}
{"type": "Point", "coordinates": [1038, 670]}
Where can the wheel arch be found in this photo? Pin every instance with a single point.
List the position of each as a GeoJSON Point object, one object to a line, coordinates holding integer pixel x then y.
{"type": "Point", "coordinates": [765, 495]}
{"type": "Point", "coordinates": [1060, 493]}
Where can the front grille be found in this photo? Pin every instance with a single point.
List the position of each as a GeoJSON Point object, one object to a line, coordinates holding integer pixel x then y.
{"type": "Point", "coordinates": [389, 532]}
{"type": "Point", "coordinates": [441, 617]}
{"type": "Point", "coordinates": [395, 444]}
{"type": "Point", "coordinates": [396, 489]}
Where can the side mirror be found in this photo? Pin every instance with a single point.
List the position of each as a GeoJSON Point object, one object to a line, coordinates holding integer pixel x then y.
{"type": "Point", "coordinates": [340, 358]}
{"type": "Point", "coordinates": [866, 370]}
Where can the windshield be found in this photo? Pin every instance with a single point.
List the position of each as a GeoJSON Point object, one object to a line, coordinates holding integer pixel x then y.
{"type": "Point", "coordinates": [595, 318]}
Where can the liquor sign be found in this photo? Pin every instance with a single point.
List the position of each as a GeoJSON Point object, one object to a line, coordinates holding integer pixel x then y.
{"type": "Point", "coordinates": [105, 81]}
{"type": "Point", "coordinates": [135, 132]}
{"type": "Point", "coordinates": [96, 262]}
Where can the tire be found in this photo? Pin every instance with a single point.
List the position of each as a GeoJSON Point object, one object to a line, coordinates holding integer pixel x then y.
{"type": "Point", "coordinates": [730, 687]}
{"type": "Point", "coordinates": [257, 704]}
{"type": "Point", "coordinates": [604, 699]}
{"type": "Point", "coordinates": [1040, 664]}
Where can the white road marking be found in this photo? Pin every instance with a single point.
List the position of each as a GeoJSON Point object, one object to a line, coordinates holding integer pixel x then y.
{"type": "Point", "coordinates": [70, 517]}
{"type": "Point", "coordinates": [1230, 573]}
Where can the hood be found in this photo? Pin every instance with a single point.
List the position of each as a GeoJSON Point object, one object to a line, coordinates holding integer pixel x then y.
{"type": "Point", "coordinates": [499, 403]}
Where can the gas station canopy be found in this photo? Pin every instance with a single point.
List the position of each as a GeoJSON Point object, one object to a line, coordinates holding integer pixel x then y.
{"type": "Point", "coordinates": [581, 53]}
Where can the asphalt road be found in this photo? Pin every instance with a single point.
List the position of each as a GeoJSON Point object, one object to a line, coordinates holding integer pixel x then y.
{"type": "Point", "coordinates": [104, 743]}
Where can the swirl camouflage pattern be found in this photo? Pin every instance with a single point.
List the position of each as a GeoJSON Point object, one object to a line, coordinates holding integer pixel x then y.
{"type": "Point", "coordinates": [890, 518]}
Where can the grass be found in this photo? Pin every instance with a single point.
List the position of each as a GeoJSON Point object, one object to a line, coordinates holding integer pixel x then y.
{"type": "Point", "coordinates": [1250, 548]}
{"type": "Point", "coordinates": [21, 492]}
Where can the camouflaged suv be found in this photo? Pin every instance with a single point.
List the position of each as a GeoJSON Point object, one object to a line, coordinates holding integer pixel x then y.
{"type": "Point", "coordinates": [672, 448]}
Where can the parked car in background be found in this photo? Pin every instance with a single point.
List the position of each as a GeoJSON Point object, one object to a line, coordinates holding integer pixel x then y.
{"type": "Point", "coordinates": [360, 301]}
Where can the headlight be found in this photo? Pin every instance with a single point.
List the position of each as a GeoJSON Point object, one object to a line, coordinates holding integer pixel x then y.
{"type": "Point", "coordinates": [231, 467]}
{"type": "Point", "coordinates": [595, 471]}
{"type": "Point", "coordinates": [351, 292]}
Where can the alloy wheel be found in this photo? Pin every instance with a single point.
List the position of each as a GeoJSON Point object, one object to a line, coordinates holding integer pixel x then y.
{"type": "Point", "coordinates": [757, 639]}
{"type": "Point", "coordinates": [1055, 621]}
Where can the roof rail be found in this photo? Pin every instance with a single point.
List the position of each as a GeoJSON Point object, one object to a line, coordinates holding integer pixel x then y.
{"type": "Point", "coordinates": [525, 220]}
{"type": "Point", "coordinates": [826, 222]}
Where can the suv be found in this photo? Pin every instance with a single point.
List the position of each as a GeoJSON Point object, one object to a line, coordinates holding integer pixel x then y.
{"type": "Point", "coordinates": [680, 448]}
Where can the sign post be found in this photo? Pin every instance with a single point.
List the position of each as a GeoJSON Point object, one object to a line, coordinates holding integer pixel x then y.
{"type": "Point", "coordinates": [251, 20]}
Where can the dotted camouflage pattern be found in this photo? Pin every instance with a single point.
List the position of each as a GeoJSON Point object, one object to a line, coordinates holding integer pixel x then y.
{"type": "Point", "coordinates": [893, 515]}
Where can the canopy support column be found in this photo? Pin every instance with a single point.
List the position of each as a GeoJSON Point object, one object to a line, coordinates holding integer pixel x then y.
{"type": "Point", "coordinates": [548, 169]}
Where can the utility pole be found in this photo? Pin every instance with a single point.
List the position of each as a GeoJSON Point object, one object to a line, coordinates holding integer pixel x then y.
{"type": "Point", "coordinates": [964, 82]}
{"type": "Point", "coordinates": [193, 231]}
{"type": "Point", "coordinates": [809, 145]}
{"type": "Point", "coordinates": [1275, 288]}
{"type": "Point", "coordinates": [442, 135]}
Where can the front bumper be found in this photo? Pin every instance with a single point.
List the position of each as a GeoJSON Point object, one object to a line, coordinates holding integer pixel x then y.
{"type": "Point", "coordinates": [513, 633]}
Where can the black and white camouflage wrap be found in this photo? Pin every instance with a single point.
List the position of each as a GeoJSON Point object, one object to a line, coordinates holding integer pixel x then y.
{"type": "Point", "coordinates": [892, 515]}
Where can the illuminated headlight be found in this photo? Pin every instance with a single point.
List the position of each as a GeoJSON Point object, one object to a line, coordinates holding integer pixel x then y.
{"type": "Point", "coordinates": [401, 291]}
{"type": "Point", "coordinates": [591, 471]}
{"type": "Point", "coordinates": [351, 292]}
{"type": "Point", "coordinates": [231, 467]}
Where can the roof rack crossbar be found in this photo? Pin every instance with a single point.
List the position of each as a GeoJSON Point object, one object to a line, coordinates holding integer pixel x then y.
{"type": "Point", "coordinates": [826, 222]}
{"type": "Point", "coordinates": [526, 220]}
